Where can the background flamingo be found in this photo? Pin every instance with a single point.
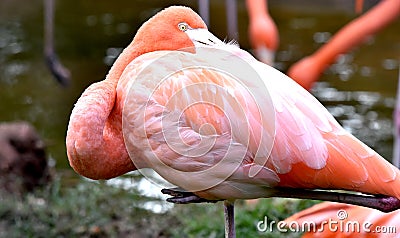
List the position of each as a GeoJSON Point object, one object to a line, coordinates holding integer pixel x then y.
{"type": "Point", "coordinates": [262, 31]}
{"type": "Point", "coordinates": [396, 116]}
{"type": "Point", "coordinates": [347, 38]}
{"type": "Point", "coordinates": [311, 150]}
{"type": "Point", "coordinates": [308, 70]}
{"type": "Point", "coordinates": [60, 73]}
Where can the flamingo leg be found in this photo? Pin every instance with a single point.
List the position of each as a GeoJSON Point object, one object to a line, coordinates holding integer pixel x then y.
{"type": "Point", "coordinates": [180, 196]}
{"type": "Point", "coordinates": [382, 203]}
{"type": "Point", "coordinates": [60, 72]}
{"type": "Point", "coordinates": [229, 219]}
{"type": "Point", "coordinates": [204, 10]}
{"type": "Point", "coordinates": [231, 18]}
{"type": "Point", "coordinates": [396, 147]}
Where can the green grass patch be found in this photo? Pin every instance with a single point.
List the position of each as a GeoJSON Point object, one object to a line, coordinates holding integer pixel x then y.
{"type": "Point", "coordinates": [95, 209]}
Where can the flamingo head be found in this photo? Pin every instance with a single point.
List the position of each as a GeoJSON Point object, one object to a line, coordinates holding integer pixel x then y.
{"type": "Point", "coordinates": [174, 28]}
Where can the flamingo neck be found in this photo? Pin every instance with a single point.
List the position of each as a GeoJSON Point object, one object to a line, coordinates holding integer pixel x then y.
{"type": "Point", "coordinates": [356, 31]}
{"type": "Point", "coordinates": [256, 8]}
{"type": "Point", "coordinates": [95, 144]}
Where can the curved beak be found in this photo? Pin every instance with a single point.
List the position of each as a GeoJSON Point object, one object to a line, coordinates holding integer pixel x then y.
{"type": "Point", "coordinates": [202, 37]}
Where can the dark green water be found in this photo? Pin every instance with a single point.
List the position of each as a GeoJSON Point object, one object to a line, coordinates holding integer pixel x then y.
{"type": "Point", "coordinates": [359, 90]}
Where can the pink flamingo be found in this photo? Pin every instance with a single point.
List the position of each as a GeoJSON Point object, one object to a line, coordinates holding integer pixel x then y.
{"type": "Point", "coordinates": [308, 70]}
{"type": "Point", "coordinates": [263, 33]}
{"type": "Point", "coordinates": [310, 149]}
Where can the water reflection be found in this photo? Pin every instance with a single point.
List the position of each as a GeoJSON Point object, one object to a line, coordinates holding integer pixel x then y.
{"type": "Point", "coordinates": [360, 113]}
{"type": "Point", "coordinates": [134, 181]}
{"type": "Point", "coordinates": [111, 55]}
{"type": "Point", "coordinates": [11, 46]}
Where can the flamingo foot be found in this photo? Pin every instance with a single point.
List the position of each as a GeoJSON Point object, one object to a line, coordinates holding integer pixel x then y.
{"type": "Point", "coordinates": [180, 196]}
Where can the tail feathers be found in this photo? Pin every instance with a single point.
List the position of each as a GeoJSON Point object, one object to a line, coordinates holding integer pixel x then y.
{"type": "Point", "coordinates": [350, 165]}
{"type": "Point", "coordinates": [371, 173]}
{"type": "Point", "coordinates": [354, 166]}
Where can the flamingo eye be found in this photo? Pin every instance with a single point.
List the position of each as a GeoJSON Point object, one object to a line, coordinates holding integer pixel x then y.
{"type": "Point", "coordinates": [183, 26]}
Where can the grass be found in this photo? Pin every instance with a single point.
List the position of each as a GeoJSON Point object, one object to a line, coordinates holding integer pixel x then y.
{"type": "Point", "coordinates": [95, 209]}
{"type": "Point", "coordinates": [206, 220]}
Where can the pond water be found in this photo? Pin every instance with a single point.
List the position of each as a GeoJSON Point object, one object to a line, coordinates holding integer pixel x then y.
{"type": "Point", "coordinates": [359, 90]}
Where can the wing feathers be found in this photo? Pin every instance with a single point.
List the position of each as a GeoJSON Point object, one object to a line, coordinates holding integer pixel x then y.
{"type": "Point", "coordinates": [198, 107]}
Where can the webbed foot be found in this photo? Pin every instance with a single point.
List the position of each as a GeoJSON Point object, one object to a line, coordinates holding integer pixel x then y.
{"type": "Point", "coordinates": [180, 196]}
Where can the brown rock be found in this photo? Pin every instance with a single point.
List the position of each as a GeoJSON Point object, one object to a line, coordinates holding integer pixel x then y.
{"type": "Point", "coordinates": [23, 163]}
